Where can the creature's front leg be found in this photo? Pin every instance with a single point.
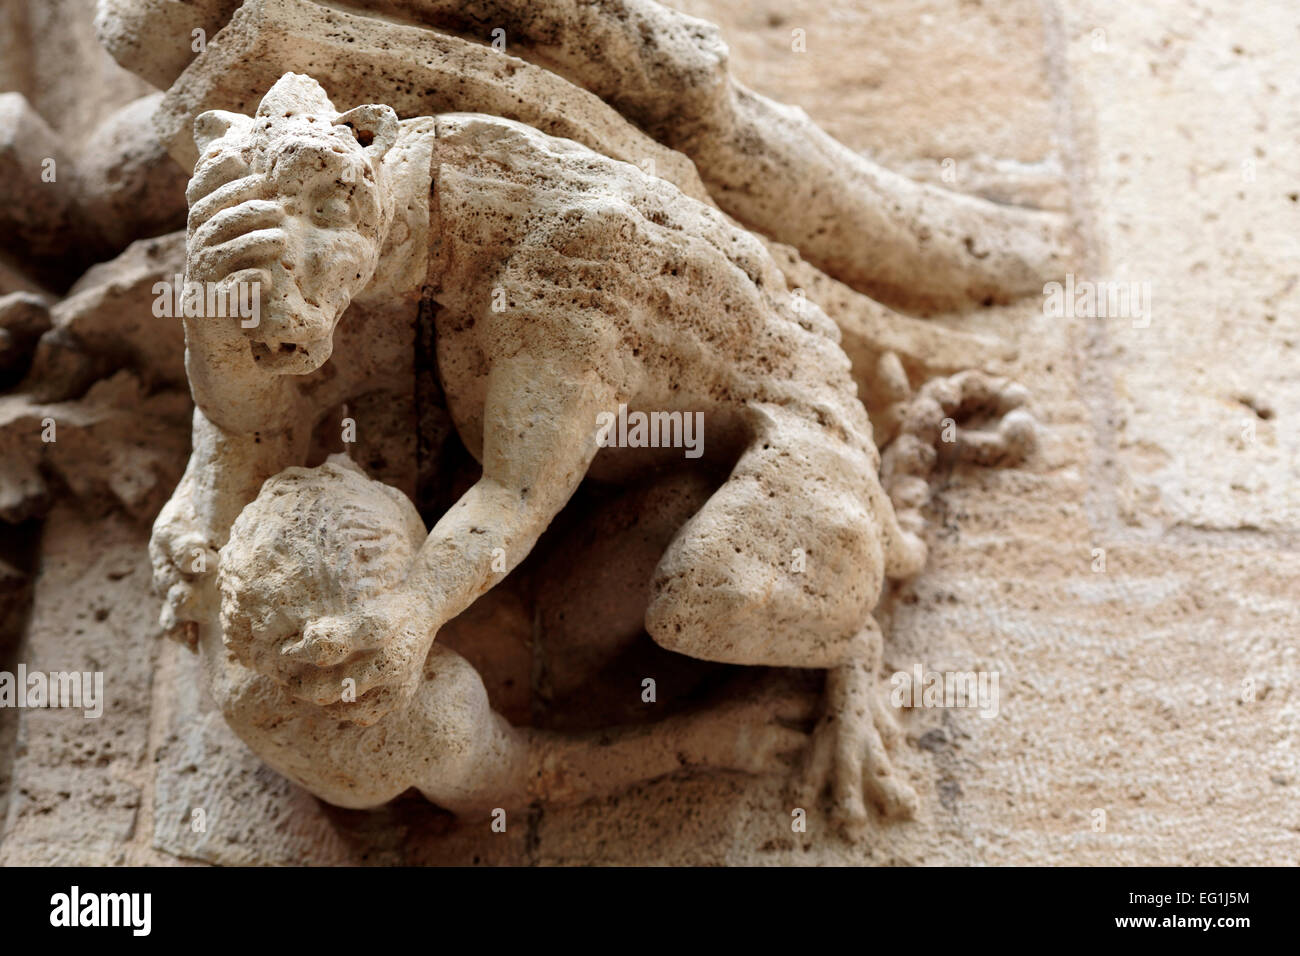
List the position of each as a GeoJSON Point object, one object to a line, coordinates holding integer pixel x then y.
{"type": "Point", "coordinates": [247, 418]}
{"type": "Point", "coordinates": [540, 435]}
{"type": "Point", "coordinates": [224, 473]}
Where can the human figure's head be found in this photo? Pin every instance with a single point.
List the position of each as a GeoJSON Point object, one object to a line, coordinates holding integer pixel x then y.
{"type": "Point", "coordinates": [303, 556]}
{"type": "Point", "coordinates": [304, 208]}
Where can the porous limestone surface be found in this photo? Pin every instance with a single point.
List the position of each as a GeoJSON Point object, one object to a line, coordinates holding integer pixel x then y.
{"type": "Point", "coordinates": [1132, 583]}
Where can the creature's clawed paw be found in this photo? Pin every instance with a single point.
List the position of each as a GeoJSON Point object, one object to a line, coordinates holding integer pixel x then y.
{"type": "Point", "coordinates": [184, 557]}
{"type": "Point", "coordinates": [848, 755]}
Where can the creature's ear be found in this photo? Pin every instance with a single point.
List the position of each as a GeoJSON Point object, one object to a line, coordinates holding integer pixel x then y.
{"type": "Point", "coordinates": [343, 461]}
{"type": "Point", "coordinates": [375, 127]}
{"type": "Point", "coordinates": [212, 125]}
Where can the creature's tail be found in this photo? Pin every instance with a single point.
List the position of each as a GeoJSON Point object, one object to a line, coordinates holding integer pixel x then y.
{"type": "Point", "coordinates": [929, 425]}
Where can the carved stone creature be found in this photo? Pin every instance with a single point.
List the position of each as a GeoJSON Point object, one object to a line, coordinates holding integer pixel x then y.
{"type": "Point", "coordinates": [763, 162]}
{"type": "Point", "coordinates": [567, 284]}
{"type": "Point", "coordinates": [909, 241]}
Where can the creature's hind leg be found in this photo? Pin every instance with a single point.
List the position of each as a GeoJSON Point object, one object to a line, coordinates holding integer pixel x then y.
{"type": "Point", "coordinates": [784, 562]}
{"type": "Point", "coordinates": [782, 567]}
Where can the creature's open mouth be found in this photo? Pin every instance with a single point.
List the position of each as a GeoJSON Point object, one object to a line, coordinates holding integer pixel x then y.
{"type": "Point", "coordinates": [279, 353]}
{"type": "Point", "coordinates": [287, 357]}
{"type": "Point", "coordinates": [292, 331]}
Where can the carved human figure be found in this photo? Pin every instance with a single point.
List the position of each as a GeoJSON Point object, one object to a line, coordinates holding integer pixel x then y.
{"type": "Point", "coordinates": [567, 285]}
{"type": "Point", "coordinates": [314, 544]}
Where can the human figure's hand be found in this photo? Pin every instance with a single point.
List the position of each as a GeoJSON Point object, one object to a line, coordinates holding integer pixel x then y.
{"type": "Point", "coordinates": [361, 664]}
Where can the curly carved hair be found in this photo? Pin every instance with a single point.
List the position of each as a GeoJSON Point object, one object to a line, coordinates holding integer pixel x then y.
{"type": "Point", "coordinates": [313, 542]}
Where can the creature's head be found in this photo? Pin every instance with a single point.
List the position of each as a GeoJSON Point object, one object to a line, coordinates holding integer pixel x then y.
{"type": "Point", "coordinates": [307, 553]}
{"type": "Point", "coordinates": [294, 199]}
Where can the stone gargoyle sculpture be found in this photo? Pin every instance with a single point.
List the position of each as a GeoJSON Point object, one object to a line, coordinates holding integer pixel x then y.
{"type": "Point", "coordinates": [765, 163]}
{"type": "Point", "coordinates": [569, 287]}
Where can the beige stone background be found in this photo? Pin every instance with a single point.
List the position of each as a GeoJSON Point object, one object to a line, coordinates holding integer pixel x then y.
{"type": "Point", "coordinates": [1168, 131]}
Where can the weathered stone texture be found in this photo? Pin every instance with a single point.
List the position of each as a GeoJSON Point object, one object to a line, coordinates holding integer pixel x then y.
{"type": "Point", "coordinates": [1160, 690]}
